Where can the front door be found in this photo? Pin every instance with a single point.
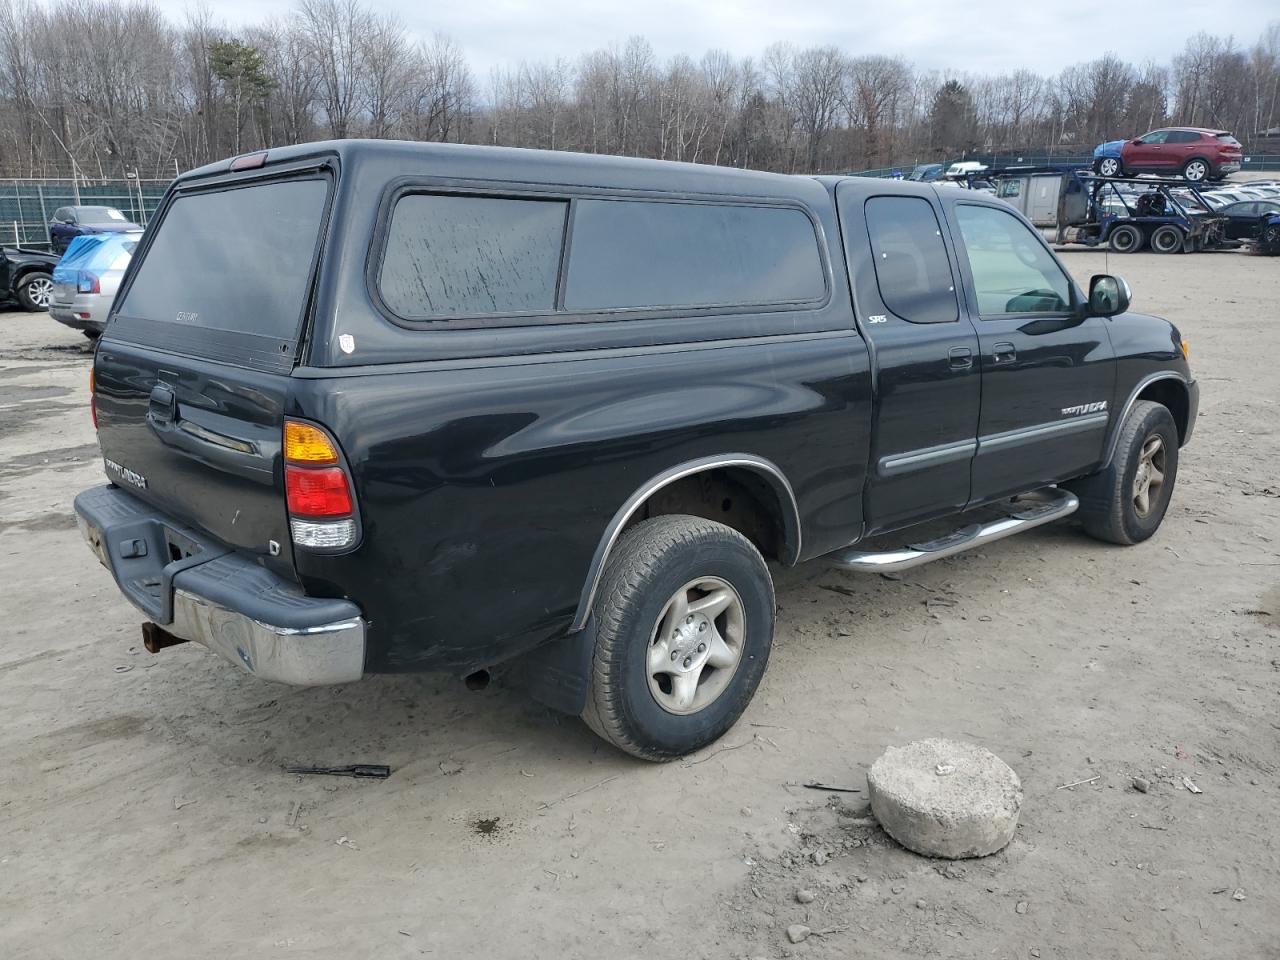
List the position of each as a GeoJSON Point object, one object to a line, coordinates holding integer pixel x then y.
{"type": "Point", "coordinates": [924, 351]}
{"type": "Point", "coordinates": [1147, 152]}
{"type": "Point", "coordinates": [1048, 376]}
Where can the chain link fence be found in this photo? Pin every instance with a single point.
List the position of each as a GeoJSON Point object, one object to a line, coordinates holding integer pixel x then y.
{"type": "Point", "coordinates": [27, 206]}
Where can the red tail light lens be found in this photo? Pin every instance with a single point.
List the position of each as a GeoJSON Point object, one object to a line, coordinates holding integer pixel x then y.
{"type": "Point", "coordinates": [317, 492]}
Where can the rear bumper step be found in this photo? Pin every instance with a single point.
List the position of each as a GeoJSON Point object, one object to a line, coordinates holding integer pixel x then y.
{"type": "Point", "coordinates": [219, 598]}
{"type": "Point", "coordinates": [1059, 504]}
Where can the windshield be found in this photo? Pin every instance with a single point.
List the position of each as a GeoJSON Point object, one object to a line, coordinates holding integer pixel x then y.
{"type": "Point", "coordinates": [234, 260]}
{"type": "Point", "coordinates": [101, 215]}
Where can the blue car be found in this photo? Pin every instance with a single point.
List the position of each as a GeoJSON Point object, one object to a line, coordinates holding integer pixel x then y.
{"type": "Point", "coordinates": [71, 222]}
{"type": "Point", "coordinates": [1269, 239]}
{"type": "Point", "coordinates": [1106, 158]}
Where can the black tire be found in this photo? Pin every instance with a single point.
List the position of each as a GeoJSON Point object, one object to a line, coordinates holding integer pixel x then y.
{"type": "Point", "coordinates": [1108, 508]}
{"type": "Point", "coordinates": [646, 570]}
{"type": "Point", "coordinates": [1197, 169]}
{"type": "Point", "coordinates": [1125, 238]}
{"type": "Point", "coordinates": [33, 291]}
{"type": "Point", "coordinates": [1109, 167]}
{"type": "Point", "coordinates": [1271, 238]}
{"type": "Point", "coordinates": [1167, 239]}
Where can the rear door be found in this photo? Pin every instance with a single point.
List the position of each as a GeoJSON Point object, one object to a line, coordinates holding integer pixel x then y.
{"type": "Point", "coordinates": [923, 351]}
{"type": "Point", "coordinates": [1048, 377]}
{"type": "Point", "coordinates": [192, 374]}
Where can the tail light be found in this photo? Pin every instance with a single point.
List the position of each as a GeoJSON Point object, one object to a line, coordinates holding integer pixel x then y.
{"type": "Point", "coordinates": [88, 283]}
{"type": "Point", "coordinates": [317, 489]}
{"type": "Point", "coordinates": [93, 400]}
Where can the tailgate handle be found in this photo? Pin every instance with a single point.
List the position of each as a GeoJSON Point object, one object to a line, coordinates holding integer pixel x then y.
{"type": "Point", "coordinates": [164, 404]}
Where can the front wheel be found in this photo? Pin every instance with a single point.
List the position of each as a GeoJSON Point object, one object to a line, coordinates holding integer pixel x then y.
{"type": "Point", "coordinates": [1126, 502]}
{"type": "Point", "coordinates": [1195, 170]}
{"type": "Point", "coordinates": [1110, 167]}
{"type": "Point", "coordinates": [684, 624]}
{"type": "Point", "coordinates": [35, 290]}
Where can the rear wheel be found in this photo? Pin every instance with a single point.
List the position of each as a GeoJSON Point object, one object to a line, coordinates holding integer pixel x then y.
{"type": "Point", "coordinates": [1167, 239]}
{"type": "Point", "coordinates": [34, 292]}
{"type": "Point", "coordinates": [1195, 170]}
{"type": "Point", "coordinates": [684, 624]}
{"type": "Point", "coordinates": [1125, 238]}
{"type": "Point", "coordinates": [1126, 502]}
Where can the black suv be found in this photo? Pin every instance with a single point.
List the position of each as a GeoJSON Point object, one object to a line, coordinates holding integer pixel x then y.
{"type": "Point", "coordinates": [375, 407]}
{"type": "Point", "coordinates": [26, 277]}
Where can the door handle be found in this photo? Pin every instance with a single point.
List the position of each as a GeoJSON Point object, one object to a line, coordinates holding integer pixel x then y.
{"type": "Point", "coordinates": [1003, 353]}
{"type": "Point", "coordinates": [960, 358]}
{"type": "Point", "coordinates": [163, 405]}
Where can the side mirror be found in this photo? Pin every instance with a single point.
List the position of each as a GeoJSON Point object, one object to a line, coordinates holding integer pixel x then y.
{"type": "Point", "coordinates": [1108, 295]}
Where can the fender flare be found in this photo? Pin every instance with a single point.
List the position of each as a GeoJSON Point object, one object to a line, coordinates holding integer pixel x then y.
{"type": "Point", "coordinates": [766, 469]}
{"type": "Point", "coordinates": [1118, 423]}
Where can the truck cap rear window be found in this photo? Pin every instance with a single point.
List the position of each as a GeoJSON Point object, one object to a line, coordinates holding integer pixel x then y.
{"type": "Point", "coordinates": [235, 261]}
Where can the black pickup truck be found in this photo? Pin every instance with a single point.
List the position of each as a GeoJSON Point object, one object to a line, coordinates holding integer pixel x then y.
{"type": "Point", "coordinates": [374, 407]}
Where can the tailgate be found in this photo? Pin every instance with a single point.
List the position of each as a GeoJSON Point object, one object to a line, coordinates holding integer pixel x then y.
{"type": "Point", "coordinates": [192, 376]}
{"type": "Point", "coordinates": [200, 440]}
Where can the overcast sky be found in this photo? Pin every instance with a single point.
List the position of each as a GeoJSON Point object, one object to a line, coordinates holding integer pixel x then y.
{"type": "Point", "coordinates": [969, 36]}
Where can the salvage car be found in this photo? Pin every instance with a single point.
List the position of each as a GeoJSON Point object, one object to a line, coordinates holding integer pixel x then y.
{"type": "Point", "coordinates": [26, 277]}
{"type": "Point", "coordinates": [80, 221]}
{"type": "Point", "coordinates": [1245, 219]}
{"type": "Point", "coordinates": [377, 407]}
{"type": "Point", "coordinates": [86, 279]}
{"type": "Point", "coordinates": [1193, 153]}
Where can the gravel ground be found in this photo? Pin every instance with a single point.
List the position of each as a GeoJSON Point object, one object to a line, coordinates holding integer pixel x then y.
{"type": "Point", "coordinates": [144, 809]}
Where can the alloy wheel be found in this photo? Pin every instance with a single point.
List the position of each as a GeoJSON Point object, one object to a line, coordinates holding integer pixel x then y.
{"type": "Point", "coordinates": [1149, 477]}
{"type": "Point", "coordinates": [41, 292]}
{"type": "Point", "coordinates": [696, 645]}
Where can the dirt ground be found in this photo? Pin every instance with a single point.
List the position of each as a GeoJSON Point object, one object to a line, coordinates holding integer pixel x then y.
{"type": "Point", "coordinates": [143, 809]}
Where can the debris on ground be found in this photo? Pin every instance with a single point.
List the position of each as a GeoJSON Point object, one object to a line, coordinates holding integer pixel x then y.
{"type": "Point", "coordinates": [1021, 908]}
{"type": "Point", "coordinates": [798, 933]}
{"type": "Point", "coordinates": [179, 803]}
{"type": "Point", "coordinates": [359, 771]}
{"type": "Point", "coordinates": [830, 788]}
{"type": "Point", "coordinates": [805, 896]}
{"type": "Point", "coordinates": [346, 842]}
{"type": "Point", "coordinates": [1191, 785]}
{"type": "Point", "coordinates": [1238, 894]}
{"type": "Point", "coordinates": [1142, 784]}
{"type": "Point", "coordinates": [944, 798]}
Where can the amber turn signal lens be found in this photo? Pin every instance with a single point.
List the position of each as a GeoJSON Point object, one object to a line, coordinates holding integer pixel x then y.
{"type": "Point", "coordinates": [304, 443]}
{"type": "Point", "coordinates": [1186, 350]}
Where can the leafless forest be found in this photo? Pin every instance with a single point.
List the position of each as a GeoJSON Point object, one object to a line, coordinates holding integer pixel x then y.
{"type": "Point", "coordinates": [105, 87]}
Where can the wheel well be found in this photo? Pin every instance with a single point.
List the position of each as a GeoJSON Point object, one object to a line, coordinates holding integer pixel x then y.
{"type": "Point", "coordinates": [737, 497]}
{"type": "Point", "coordinates": [23, 274]}
{"type": "Point", "coordinates": [1173, 395]}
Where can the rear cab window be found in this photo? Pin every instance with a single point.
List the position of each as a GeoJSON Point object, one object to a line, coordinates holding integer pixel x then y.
{"type": "Point", "coordinates": [227, 272]}
{"type": "Point", "coordinates": [913, 272]}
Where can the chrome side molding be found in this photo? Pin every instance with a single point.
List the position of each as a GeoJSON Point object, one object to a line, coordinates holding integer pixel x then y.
{"type": "Point", "coordinates": [1058, 504]}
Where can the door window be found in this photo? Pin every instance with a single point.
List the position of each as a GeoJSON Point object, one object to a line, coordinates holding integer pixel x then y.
{"type": "Point", "coordinates": [912, 269]}
{"type": "Point", "coordinates": [1156, 136]}
{"type": "Point", "coordinates": [1012, 270]}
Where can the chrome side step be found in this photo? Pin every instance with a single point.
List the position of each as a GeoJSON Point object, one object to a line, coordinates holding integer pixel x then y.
{"type": "Point", "coordinates": [1059, 504]}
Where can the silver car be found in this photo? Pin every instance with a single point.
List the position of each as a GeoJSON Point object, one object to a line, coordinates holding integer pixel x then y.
{"type": "Point", "coordinates": [84, 305]}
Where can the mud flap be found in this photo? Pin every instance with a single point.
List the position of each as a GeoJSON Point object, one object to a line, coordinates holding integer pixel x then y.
{"type": "Point", "coordinates": [556, 674]}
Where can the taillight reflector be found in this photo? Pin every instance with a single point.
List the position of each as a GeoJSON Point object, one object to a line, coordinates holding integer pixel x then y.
{"type": "Point", "coordinates": [93, 400]}
{"type": "Point", "coordinates": [318, 492]}
{"type": "Point", "coordinates": [304, 443]}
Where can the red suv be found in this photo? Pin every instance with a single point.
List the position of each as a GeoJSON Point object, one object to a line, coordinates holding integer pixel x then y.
{"type": "Point", "coordinates": [1194, 153]}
